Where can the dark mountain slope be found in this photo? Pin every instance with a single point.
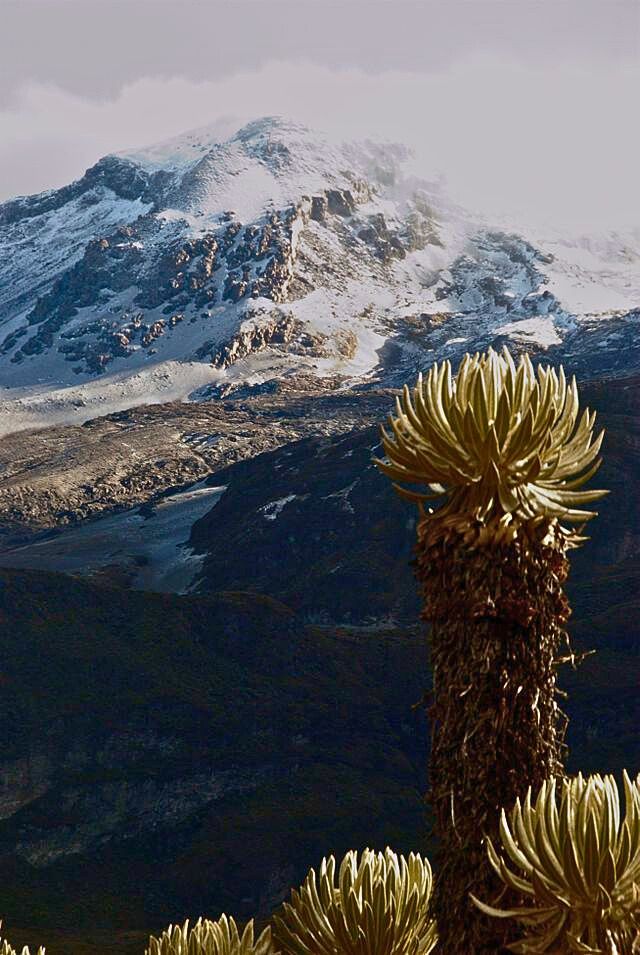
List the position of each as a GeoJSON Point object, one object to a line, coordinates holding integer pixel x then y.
{"type": "Point", "coordinates": [317, 526]}
{"type": "Point", "coordinates": [165, 756]}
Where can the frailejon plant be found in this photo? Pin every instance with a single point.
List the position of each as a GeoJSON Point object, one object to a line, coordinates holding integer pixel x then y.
{"type": "Point", "coordinates": [7, 949]}
{"type": "Point", "coordinates": [504, 449]}
{"type": "Point", "coordinates": [576, 864]}
{"type": "Point", "coordinates": [211, 938]}
{"type": "Point", "coordinates": [378, 906]}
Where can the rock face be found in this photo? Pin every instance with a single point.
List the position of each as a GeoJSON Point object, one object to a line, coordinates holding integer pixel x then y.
{"type": "Point", "coordinates": [146, 243]}
{"type": "Point", "coordinates": [277, 330]}
{"type": "Point", "coordinates": [255, 261]}
{"type": "Point", "coordinates": [163, 255]}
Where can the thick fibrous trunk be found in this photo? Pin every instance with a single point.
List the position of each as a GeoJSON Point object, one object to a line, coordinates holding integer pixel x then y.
{"type": "Point", "coordinates": [497, 614]}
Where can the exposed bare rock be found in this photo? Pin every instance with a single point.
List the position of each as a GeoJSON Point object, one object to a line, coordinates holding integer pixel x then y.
{"type": "Point", "coordinates": [63, 475]}
{"type": "Point", "coordinates": [319, 208]}
{"type": "Point", "coordinates": [274, 330]}
{"type": "Point", "coordinates": [340, 202]}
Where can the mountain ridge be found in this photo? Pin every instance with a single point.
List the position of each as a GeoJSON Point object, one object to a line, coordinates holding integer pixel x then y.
{"type": "Point", "coordinates": [144, 267]}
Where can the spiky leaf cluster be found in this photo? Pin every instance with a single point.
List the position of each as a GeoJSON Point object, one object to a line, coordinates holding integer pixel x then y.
{"type": "Point", "coordinates": [379, 906]}
{"type": "Point", "coordinates": [7, 949]}
{"type": "Point", "coordinates": [496, 441]}
{"type": "Point", "coordinates": [211, 938]}
{"type": "Point", "coordinates": [578, 863]}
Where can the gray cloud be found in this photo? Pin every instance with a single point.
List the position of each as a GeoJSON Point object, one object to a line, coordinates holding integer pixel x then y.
{"type": "Point", "coordinates": [526, 107]}
{"type": "Point", "coordinates": [95, 47]}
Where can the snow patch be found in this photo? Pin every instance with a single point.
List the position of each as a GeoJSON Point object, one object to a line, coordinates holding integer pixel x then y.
{"type": "Point", "coordinates": [271, 511]}
{"type": "Point", "coordinates": [343, 496]}
{"type": "Point", "coordinates": [153, 547]}
{"type": "Point", "coordinates": [23, 409]}
{"type": "Point", "coordinates": [540, 331]}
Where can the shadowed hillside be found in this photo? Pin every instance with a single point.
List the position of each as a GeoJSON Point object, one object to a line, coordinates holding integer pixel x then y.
{"type": "Point", "coordinates": [167, 756]}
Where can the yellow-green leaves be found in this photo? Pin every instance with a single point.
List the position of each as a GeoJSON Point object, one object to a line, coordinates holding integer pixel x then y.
{"type": "Point", "coordinates": [7, 949]}
{"type": "Point", "coordinates": [378, 906]}
{"type": "Point", "coordinates": [211, 938]}
{"type": "Point", "coordinates": [578, 863]}
{"type": "Point", "coordinates": [496, 440]}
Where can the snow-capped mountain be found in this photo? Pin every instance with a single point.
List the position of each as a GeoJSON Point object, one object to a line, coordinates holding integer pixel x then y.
{"type": "Point", "coordinates": [194, 267]}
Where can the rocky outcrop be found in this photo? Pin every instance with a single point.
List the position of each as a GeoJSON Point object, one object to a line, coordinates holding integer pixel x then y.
{"type": "Point", "coordinates": [240, 261]}
{"type": "Point", "coordinates": [125, 179]}
{"type": "Point", "coordinates": [261, 260]}
{"type": "Point", "coordinates": [345, 223]}
{"type": "Point", "coordinates": [108, 262]}
{"type": "Point", "coordinates": [278, 329]}
{"type": "Point", "coordinates": [499, 273]}
{"type": "Point", "coordinates": [340, 202]}
{"type": "Point", "coordinates": [62, 475]}
{"type": "Point", "coordinates": [319, 208]}
{"type": "Point", "coordinates": [420, 230]}
{"type": "Point", "coordinates": [386, 244]}
{"type": "Point", "coordinates": [185, 267]}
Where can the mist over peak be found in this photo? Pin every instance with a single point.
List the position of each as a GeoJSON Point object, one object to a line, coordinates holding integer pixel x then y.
{"type": "Point", "coordinates": [547, 146]}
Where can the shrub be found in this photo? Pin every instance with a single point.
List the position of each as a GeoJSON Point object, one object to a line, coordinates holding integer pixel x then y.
{"type": "Point", "coordinates": [577, 863]}
{"type": "Point", "coordinates": [379, 906]}
{"type": "Point", "coordinates": [211, 938]}
{"type": "Point", "coordinates": [7, 949]}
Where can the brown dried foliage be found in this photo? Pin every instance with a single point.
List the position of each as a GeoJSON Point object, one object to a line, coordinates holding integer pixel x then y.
{"type": "Point", "coordinates": [497, 615]}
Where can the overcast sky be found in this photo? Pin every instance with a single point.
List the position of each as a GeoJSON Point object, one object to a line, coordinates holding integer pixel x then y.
{"type": "Point", "coordinates": [523, 104]}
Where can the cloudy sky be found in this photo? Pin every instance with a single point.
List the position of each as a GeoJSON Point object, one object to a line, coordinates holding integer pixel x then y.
{"type": "Point", "coordinates": [525, 106]}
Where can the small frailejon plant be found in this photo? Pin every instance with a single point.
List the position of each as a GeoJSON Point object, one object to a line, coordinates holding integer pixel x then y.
{"type": "Point", "coordinates": [7, 949]}
{"type": "Point", "coordinates": [378, 906]}
{"type": "Point", "coordinates": [211, 938]}
{"type": "Point", "coordinates": [577, 865]}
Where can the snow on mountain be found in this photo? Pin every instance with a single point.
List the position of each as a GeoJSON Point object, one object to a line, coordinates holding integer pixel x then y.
{"type": "Point", "coordinates": [153, 541]}
{"type": "Point", "coordinates": [198, 262]}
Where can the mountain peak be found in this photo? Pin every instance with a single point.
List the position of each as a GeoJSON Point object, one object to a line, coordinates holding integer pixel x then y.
{"type": "Point", "coordinates": [272, 125]}
{"type": "Point", "coordinates": [237, 254]}
{"type": "Point", "coordinates": [189, 147]}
